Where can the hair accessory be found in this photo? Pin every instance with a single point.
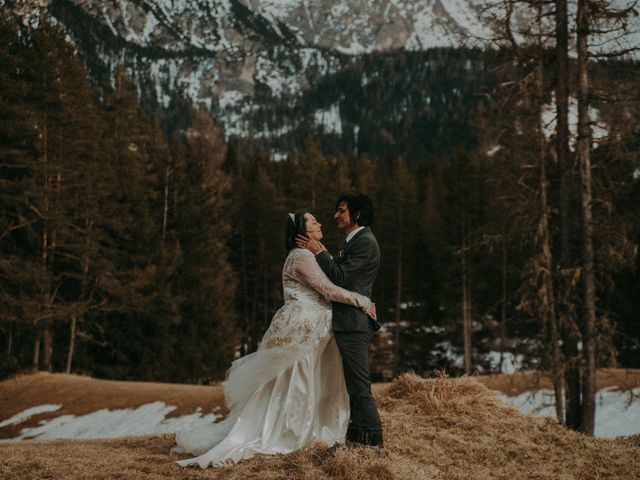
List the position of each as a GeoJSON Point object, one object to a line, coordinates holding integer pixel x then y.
{"type": "Point", "coordinates": [293, 217]}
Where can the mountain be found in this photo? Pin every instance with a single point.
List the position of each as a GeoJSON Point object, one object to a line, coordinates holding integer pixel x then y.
{"type": "Point", "coordinates": [254, 63]}
{"type": "Point", "coordinates": [277, 71]}
{"type": "Point", "coordinates": [353, 27]}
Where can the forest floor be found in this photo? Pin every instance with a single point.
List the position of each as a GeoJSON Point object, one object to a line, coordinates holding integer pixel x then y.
{"type": "Point", "coordinates": [441, 428]}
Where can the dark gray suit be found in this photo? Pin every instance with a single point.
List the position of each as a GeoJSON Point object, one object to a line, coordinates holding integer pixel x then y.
{"type": "Point", "coordinates": [355, 269]}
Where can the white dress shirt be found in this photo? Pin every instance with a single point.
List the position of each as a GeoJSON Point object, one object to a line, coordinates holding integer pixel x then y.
{"type": "Point", "coordinates": [352, 234]}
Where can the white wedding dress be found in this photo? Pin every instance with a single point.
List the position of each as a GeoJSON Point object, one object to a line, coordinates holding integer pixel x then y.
{"type": "Point", "coordinates": [291, 391]}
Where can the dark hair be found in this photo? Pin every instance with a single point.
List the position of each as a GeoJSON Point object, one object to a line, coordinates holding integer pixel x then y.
{"type": "Point", "coordinates": [360, 208]}
{"type": "Point", "coordinates": [293, 228]}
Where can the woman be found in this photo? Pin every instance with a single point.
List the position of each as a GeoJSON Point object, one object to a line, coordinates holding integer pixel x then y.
{"type": "Point", "coordinates": [291, 391]}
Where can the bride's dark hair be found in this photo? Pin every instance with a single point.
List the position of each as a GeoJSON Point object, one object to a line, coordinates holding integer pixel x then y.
{"type": "Point", "coordinates": [293, 227]}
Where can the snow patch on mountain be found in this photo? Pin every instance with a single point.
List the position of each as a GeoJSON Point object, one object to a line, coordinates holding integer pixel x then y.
{"type": "Point", "coordinates": [235, 107]}
{"type": "Point", "coordinates": [329, 119]}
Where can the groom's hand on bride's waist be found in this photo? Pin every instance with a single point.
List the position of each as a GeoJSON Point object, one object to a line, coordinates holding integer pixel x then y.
{"type": "Point", "coordinates": [310, 244]}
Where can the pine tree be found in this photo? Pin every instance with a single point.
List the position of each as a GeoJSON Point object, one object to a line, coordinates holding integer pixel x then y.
{"type": "Point", "coordinates": [135, 334]}
{"type": "Point", "coordinates": [259, 217]}
{"type": "Point", "coordinates": [61, 102]}
{"type": "Point", "coordinates": [552, 288]}
{"type": "Point", "coordinates": [203, 281]}
{"type": "Point", "coordinates": [396, 203]}
{"type": "Point", "coordinates": [17, 267]}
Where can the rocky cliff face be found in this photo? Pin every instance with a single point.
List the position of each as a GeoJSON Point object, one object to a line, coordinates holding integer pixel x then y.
{"type": "Point", "coordinates": [237, 56]}
{"type": "Point", "coordinates": [347, 26]}
{"type": "Point", "coordinates": [264, 66]}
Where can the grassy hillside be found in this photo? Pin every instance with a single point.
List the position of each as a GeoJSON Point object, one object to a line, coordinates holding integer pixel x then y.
{"type": "Point", "coordinates": [443, 428]}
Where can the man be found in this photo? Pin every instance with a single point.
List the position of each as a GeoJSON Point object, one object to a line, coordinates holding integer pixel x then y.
{"type": "Point", "coordinates": [355, 269]}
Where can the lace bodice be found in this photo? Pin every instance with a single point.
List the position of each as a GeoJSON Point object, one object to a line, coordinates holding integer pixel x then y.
{"type": "Point", "coordinates": [306, 314]}
{"type": "Point", "coordinates": [303, 279]}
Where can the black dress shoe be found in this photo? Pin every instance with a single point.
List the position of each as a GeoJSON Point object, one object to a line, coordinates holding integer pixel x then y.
{"type": "Point", "coordinates": [370, 438]}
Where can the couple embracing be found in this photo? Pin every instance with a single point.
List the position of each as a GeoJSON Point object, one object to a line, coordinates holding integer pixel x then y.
{"type": "Point", "coordinates": [309, 379]}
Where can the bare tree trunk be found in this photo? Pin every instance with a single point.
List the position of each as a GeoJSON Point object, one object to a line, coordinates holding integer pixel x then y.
{"type": "Point", "coordinates": [253, 341]}
{"type": "Point", "coordinates": [562, 121]}
{"type": "Point", "coordinates": [86, 262]}
{"type": "Point", "coordinates": [165, 209]}
{"type": "Point", "coordinates": [265, 293]}
{"type": "Point", "coordinates": [10, 341]}
{"type": "Point", "coordinates": [469, 356]}
{"type": "Point", "coordinates": [313, 183]}
{"type": "Point", "coordinates": [587, 423]}
{"type": "Point", "coordinates": [466, 304]}
{"type": "Point", "coordinates": [256, 294]}
{"type": "Point", "coordinates": [36, 351]}
{"type": "Point", "coordinates": [398, 299]}
{"type": "Point", "coordinates": [503, 307]}
{"type": "Point", "coordinates": [47, 347]}
{"type": "Point", "coordinates": [72, 342]}
{"type": "Point", "coordinates": [566, 318]}
{"type": "Point", "coordinates": [549, 297]}
{"type": "Point", "coordinates": [548, 291]}
{"type": "Point", "coordinates": [245, 294]}
{"type": "Point", "coordinates": [45, 239]}
{"type": "Point", "coordinates": [47, 334]}
{"type": "Point", "coordinates": [573, 378]}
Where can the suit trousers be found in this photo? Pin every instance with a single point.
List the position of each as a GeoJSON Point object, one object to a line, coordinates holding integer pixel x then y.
{"type": "Point", "coordinates": [364, 424]}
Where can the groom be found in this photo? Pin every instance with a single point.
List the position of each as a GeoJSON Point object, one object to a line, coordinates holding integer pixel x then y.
{"type": "Point", "coordinates": [355, 269]}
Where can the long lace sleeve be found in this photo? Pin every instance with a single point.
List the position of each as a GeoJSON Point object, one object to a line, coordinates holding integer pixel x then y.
{"type": "Point", "coordinates": [307, 271]}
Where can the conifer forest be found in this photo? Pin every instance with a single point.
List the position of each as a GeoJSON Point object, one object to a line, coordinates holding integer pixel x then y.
{"type": "Point", "coordinates": [141, 242]}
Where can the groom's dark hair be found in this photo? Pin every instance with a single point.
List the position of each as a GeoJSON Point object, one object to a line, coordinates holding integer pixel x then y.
{"type": "Point", "coordinates": [360, 208]}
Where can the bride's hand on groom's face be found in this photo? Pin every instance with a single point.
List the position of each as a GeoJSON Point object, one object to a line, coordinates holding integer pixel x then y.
{"type": "Point", "coordinates": [310, 244]}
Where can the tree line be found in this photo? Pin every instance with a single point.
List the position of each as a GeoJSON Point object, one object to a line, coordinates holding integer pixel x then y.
{"type": "Point", "coordinates": [114, 257]}
{"type": "Point", "coordinates": [576, 180]}
{"type": "Point", "coordinates": [131, 250]}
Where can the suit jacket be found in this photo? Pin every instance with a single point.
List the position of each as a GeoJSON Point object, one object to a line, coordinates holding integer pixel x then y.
{"type": "Point", "coordinates": [355, 269]}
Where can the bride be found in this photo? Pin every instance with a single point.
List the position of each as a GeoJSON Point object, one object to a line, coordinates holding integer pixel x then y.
{"type": "Point", "coordinates": [291, 391]}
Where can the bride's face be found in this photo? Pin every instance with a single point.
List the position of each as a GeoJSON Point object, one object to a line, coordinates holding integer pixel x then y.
{"type": "Point", "coordinates": [314, 229]}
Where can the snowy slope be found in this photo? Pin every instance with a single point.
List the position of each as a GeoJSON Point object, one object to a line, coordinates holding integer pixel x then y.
{"type": "Point", "coordinates": [362, 26]}
{"type": "Point", "coordinates": [353, 26]}
{"type": "Point", "coordinates": [617, 414]}
{"type": "Point", "coordinates": [222, 52]}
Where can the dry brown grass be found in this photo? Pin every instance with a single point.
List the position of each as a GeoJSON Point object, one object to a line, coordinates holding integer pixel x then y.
{"type": "Point", "coordinates": [441, 428]}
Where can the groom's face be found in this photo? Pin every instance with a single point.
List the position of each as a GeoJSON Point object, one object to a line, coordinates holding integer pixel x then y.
{"type": "Point", "coordinates": [343, 216]}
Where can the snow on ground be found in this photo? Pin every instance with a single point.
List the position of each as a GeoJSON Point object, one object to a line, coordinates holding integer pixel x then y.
{"type": "Point", "coordinates": [148, 419]}
{"type": "Point", "coordinates": [28, 413]}
{"type": "Point", "coordinates": [511, 362]}
{"type": "Point", "coordinates": [617, 412]}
